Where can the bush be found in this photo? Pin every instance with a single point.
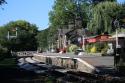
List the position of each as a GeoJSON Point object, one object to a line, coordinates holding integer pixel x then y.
{"type": "Point", "coordinates": [88, 47]}
{"type": "Point", "coordinates": [98, 47]}
{"type": "Point", "coordinates": [72, 48]}
{"type": "Point", "coordinates": [94, 49]}
{"type": "Point", "coordinates": [104, 50]}
{"type": "Point", "coordinates": [3, 52]}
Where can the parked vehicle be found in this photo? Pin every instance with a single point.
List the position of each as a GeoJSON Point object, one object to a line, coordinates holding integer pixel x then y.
{"type": "Point", "coordinates": [79, 52]}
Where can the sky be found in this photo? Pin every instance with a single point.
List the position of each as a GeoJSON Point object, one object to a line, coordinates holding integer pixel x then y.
{"type": "Point", "coordinates": [121, 1]}
{"type": "Point", "coordinates": [33, 11]}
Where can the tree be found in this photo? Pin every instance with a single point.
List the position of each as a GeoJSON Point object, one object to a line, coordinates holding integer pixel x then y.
{"type": "Point", "coordinates": [42, 39]}
{"type": "Point", "coordinates": [25, 39]}
{"type": "Point", "coordinates": [121, 16]}
{"type": "Point", "coordinates": [103, 15]}
{"type": "Point", "coordinates": [66, 11]}
{"type": "Point", "coordinates": [2, 2]}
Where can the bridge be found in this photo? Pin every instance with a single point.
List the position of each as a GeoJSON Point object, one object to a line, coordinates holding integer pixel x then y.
{"type": "Point", "coordinates": [23, 53]}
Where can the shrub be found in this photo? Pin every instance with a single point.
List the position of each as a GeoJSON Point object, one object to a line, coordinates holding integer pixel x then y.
{"type": "Point", "coordinates": [104, 50]}
{"type": "Point", "coordinates": [97, 47]}
{"type": "Point", "coordinates": [72, 48]}
{"type": "Point", "coordinates": [3, 52]}
{"type": "Point", "coordinates": [88, 47]}
{"type": "Point", "coordinates": [94, 49]}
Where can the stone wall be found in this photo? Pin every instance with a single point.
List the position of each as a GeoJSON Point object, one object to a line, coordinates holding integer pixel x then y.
{"type": "Point", "coordinates": [66, 62]}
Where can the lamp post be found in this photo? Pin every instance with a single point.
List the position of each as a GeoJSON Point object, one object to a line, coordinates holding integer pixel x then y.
{"type": "Point", "coordinates": [117, 55]}
{"type": "Point", "coordinates": [116, 23]}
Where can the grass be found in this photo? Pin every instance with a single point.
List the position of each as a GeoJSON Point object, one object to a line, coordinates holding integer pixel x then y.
{"type": "Point", "coordinates": [8, 62]}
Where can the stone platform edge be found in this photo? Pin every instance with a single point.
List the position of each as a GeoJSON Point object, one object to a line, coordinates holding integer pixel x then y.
{"type": "Point", "coordinates": [76, 64]}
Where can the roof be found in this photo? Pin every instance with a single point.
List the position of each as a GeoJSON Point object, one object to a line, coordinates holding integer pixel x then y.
{"type": "Point", "coordinates": [119, 35]}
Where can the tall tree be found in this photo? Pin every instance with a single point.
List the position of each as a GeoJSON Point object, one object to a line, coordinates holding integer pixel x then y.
{"type": "Point", "coordinates": [65, 11]}
{"type": "Point", "coordinates": [103, 15]}
{"type": "Point", "coordinates": [121, 16]}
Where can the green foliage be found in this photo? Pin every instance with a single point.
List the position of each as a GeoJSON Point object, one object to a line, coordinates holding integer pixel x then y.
{"type": "Point", "coordinates": [2, 2]}
{"type": "Point", "coordinates": [65, 11]}
{"type": "Point", "coordinates": [3, 52]}
{"type": "Point", "coordinates": [88, 47]}
{"type": "Point", "coordinates": [8, 63]}
{"type": "Point", "coordinates": [97, 18]}
{"type": "Point", "coordinates": [25, 38]}
{"type": "Point", "coordinates": [72, 48]}
{"type": "Point", "coordinates": [103, 15]}
{"type": "Point", "coordinates": [93, 49]}
{"type": "Point", "coordinates": [104, 50]}
{"type": "Point", "coordinates": [121, 17]}
{"type": "Point", "coordinates": [100, 47]}
{"type": "Point", "coordinates": [42, 39]}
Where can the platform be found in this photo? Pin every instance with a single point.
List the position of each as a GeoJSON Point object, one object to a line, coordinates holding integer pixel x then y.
{"type": "Point", "coordinates": [86, 63]}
